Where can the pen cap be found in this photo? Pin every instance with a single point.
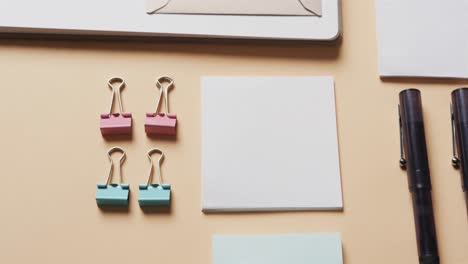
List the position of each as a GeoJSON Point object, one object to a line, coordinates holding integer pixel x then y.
{"type": "Point", "coordinates": [460, 121]}
{"type": "Point", "coordinates": [460, 105]}
{"type": "Point", "coordinates": [411, 106]}
{"type": "Point", "coordinates": [414, 139]}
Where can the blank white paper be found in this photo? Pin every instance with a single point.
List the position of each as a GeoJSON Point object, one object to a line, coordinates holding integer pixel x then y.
{"type": "Point", "coordinates": [423, 38]}
{"type": "Point", "coordinates": [269, 143]}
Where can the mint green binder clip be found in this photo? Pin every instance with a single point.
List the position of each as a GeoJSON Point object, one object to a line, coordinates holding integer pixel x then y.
{"type": "Point", "coordinates": [155, 194]}
{"type": "Point", "coordinates": [111, 193]}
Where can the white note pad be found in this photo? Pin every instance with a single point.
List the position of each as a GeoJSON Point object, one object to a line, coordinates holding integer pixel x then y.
{"type": "Point", "coordinates": [423, 38]}
{"type": "Point", "coordinates": [269, 143]}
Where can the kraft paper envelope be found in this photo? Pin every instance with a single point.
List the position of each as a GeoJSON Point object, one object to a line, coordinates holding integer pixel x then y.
{"type": "Point", "coordinates": [237, 7]}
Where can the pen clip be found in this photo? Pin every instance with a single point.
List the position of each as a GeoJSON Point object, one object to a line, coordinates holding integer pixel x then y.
{"type": "Point", "coordinates": [402, 157]}
{"type": "Point", "coordinates": [455, 159]}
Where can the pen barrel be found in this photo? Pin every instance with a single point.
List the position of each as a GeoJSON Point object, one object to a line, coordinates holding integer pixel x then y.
{"type": "Point", "coordinates": [425, 227]}
{"type": "Point", "coordinates": [419, 182]}
{"type": "Point", "coordinates": [460, 114]}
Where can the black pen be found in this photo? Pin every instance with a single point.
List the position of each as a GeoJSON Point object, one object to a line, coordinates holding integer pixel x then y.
{"type": "Point", "coordinates": [459, 111]}
{"type": "Point", "coordinates": [413, 147]}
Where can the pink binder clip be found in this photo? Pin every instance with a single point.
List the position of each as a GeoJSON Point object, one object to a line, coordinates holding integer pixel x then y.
{"type": "Point", "coordinates": [116, 123]}
{"type": "Point", "coordinates": [162, 123]}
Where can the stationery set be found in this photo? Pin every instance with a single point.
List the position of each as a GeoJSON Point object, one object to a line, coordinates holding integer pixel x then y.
{"type": "Point", "coordinates": [270, 143]}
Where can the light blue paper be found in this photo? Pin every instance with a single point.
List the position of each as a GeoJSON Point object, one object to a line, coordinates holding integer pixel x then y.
{"type": "Point", "coordinates": [278, 249]}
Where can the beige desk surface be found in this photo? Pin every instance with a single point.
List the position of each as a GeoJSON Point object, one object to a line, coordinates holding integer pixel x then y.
{"type": "Point", "coordinates": [52, 154]}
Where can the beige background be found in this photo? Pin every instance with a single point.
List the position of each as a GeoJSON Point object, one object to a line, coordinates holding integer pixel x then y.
{"type": "Point", "coordinates": [52, 153]}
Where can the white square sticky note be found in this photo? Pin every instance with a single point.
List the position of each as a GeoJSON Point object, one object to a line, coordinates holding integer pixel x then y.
{"type": "Point", "coordinates": [422, 38]}
{"type": "Point", "coordinates": [269, 143]}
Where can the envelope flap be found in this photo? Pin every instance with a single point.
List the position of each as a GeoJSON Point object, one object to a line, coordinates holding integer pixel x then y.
{"type": "Point", "coordinates": [314, 6]}
{"type": "Point", "coordinates": [152, 6]}
{"type": "Point", "coordinates": [253, 7]}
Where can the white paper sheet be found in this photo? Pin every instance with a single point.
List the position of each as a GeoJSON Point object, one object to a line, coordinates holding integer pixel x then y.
{"type": "Point", "coordinates": [269, 143]}
{"type": "Point", "coordinates": [427, 38]}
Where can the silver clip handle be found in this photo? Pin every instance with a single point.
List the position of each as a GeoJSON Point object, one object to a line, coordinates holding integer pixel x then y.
{"type": "Point", "coordinates": [116, 90]}
{"type": "Point", "coordinates": [150, 172]}
{"type": "Point", "coordinates": [111, 168]}
{"type": "Point", "coordinates": [164, 92]}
